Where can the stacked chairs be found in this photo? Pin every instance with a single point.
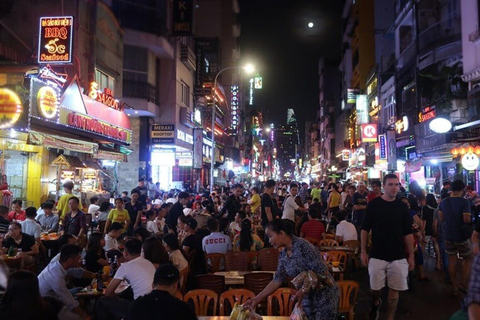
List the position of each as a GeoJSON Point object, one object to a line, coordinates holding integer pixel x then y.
{"type": "Point", "coordinates": [236, 261]}
{"type": "Point", "coordinates": [228, 299]}
{"type": "Point", "coordinates": [204, 301]}
{"type": "Point", "coordinates": [282, 301]}
{"type": "Point", "coordinates": [211, 282]}
{"type": "Point", "coordinates": [268, 259]}
{"type": "Point", "coordinates": [215, 261]}
{"type": "Point", "coordinates": [348, 296]}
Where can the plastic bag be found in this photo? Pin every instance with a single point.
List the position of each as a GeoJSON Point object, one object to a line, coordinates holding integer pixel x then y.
{"type": "Point", "coordinates": [239, 313]}
{"type": "Point", "coordinates": [297, 313]}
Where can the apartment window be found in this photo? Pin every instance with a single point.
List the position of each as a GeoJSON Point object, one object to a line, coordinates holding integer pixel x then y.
{"type": "Point", "coordinates": [135, 64]}
{"type": "Point", "coordinates": [104, 80]}
{"type": "Point", "coordinates": [185, 94]}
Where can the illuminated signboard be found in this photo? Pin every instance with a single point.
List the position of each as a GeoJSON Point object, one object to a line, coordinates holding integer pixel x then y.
{"type": "Point", "coordinates": [258, 83]}
{"type": "Point", "coordinates": [181, 135]}
{"type": "Point", "coordinates": [250, 101]}
{"type": "Point", "coordinates": [345, 155]}
{"type": "Point", "coordinates": [402, 125]}
{"type": "Point", "coordinates": [10, 108]}
{"type": "Point", "coordinates": [426, 114]}
{"type": "Point", "coordinates": [362, 109]}
{"type": "Point", "coordinates": [352, 95]}
{"type": "Point", "coordinates": [87, 123]}
{"type": "Point", "coordinates": [105, 97]}
{"type": "Point", "coordinates": [382, 138]}
{"type": "Point", "coordinates": [47, 102]}
{"type": "Point", "coordinates": [234, 105]}
{"type": "Point", "coordinates": [369, 132]}
{"type": "Point", "coordinates": [55, 40]}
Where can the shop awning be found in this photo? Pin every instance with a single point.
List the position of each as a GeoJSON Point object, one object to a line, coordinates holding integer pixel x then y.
{"type": "Point", "coordinates": [92, 164]}
{"type": "Point", "coordinates": [68, 161]}
{"type": "Point", "coordinates": [53, 141]}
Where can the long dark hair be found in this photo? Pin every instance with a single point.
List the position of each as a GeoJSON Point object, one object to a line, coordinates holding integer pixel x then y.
{"type": "Point", "coordinates": [154, 251]}
{"type": "Point", "coordinates": [94, 242]}
{"type": "Point", "coordinates": [246, 239]}
{"type": "Point", "coordinates": [279, 225]}
{"type": "Point", "coordinates": [22, 298]}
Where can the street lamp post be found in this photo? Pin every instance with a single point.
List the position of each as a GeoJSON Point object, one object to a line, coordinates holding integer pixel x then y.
{"type": "Point", "coordinates": [249, 69]}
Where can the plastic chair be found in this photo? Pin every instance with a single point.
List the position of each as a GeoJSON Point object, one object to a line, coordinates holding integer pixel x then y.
{"type": "Point", "coordinates": [348, 296]}
{"type": "Point", "coordinates": [328, 243]}
{"type": "Point", "coordinates": [179, 295]}
{"type": "Point", "coordinates": [211, 282]}
{"type": "Point", "coordinates": [354, 244]}
{"type": "Point", "coordinates": [283, 296]}
{"type": "Point", "coordinates": [183, 278]}
{"type": "Point", "coordinates": [313, 241]}
{"type": "Point", "coordinates": [256, 282]}
{"type": "Point", "coordinates": [201, 301]}
{"type": "Point", "coordinates": [340, 256]}
{"type": "Point", "coordinates": [236, 261]}
{"type": "Point", "coordinates": [268, 259]}
{"type": "Point", "coordinates": [232, 296]}
{"type": "Point", "coordinates": [215, 259]}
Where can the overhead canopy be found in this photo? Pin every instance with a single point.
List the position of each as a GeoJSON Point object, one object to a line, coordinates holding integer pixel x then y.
{"type": "Point", "coordinates": [68, 161]}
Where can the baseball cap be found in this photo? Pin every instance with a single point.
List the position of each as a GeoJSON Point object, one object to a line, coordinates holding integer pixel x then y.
{"type": "Point", "coordinates": [157, 202]}
{"type": "Point", "coordinates": [171, 200]}
{"type": "Point", "coordinates": [192, 223]}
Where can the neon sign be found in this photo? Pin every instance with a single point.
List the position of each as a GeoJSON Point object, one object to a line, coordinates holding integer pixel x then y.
{"type": "Point", "coordinates": [105, 97]}
{"type": "Point", "coordinates": [10, 108]}
{"type": "Point", "coordinates": [87, 123]}
{"type": "Point", "coordinates": [47, 102]}
{"type": "Point", "coordinates": [234, 104]}
{"type": "Point", "coordinates": [427, 114]}
{"type": "Point", "coordinates": [55, 40]}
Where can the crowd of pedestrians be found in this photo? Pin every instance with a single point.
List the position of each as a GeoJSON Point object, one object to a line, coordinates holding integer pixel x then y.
{"type": "Point", "coordinates": [148, 236]}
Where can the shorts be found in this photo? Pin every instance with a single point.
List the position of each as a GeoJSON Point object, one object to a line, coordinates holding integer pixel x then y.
{"type": "Point", "coordinates": [464, 249]}
{"type": "Point", "coordinates": [394, 272]}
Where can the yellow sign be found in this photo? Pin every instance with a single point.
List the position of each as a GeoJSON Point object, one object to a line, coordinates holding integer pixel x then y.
{"type": "Point", "coordinates": [47, 102]}
{"type": "Point", "coordinates": [10, 108]}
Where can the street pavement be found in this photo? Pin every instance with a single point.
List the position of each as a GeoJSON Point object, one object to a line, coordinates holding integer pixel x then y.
{"type": "Point", "coordinates": [427, 300]}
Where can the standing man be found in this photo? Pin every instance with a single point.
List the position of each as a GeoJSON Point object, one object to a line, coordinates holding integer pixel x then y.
{"type": "Point", "coordinates": [268, 206]}
{"type": "Point", "coordinates": [376, 190]}
{"type": "Point", "coordinates": [316, 192]}
{"type": "Point", "coordinates": [289, 206]}
{"type": "Point", "coordinates": [303, 193]}
{"type": "Point", "coordinates": [389, 220]}
{"type": "Point", "coordinates": [359, 204]}
{"type": "Point", "coordinates": [142, 191]}
{"type": "Point", "coordinates": [446, 190]}
{"type": "Point", "coordinates": [176, 211]}
{"type": "Point", "coordinates": [17, 213]}
{"type": "Point", "coordinates": [232, 205]}
{"type": "Point", "coordinates": [62, 205]}
{"type": "Point", "coordinates": [135, 209]}
{"type": "Point", "coordinates": [455, 211]}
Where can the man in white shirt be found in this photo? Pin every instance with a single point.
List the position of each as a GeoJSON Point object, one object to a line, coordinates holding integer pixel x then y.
{"type": "Point", "coordinates": [216, 242]}
{"type": "Point", "coordinates": [29, 225]}
{"type": "Point", "coordinates": [137, 271]}
{"type": "Point", "coordinates": [94, 207]}
{"type": "Point", "coordinates": [345, 230]}
{"type": "Point", "coordinates": [289, 205]}
{"type": "Point", "coordinates": [111, 244]}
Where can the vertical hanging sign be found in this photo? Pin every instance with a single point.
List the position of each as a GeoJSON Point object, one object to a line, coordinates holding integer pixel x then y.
{"type": "Point", "coordinates": [234, 105]}
{"type": "Point", "coordinates": [55, 40]}
{"type": "Point", "coordinates": [182, 18]}
{"type": "Point", "coordinates": [197, 148]}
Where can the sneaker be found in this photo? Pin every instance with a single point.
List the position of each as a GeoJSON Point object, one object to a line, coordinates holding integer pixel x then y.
{"type": "Point", "coordinates": [375, 311]}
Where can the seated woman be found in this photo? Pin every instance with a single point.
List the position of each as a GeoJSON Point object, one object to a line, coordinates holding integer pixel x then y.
{"type": "Point", "coordinates": [95, 258]}
{"type": "Point", "coordinates": [246, 240]}
{"type": "Point", "coordinates": [173, 248]}
{"type": "Point", "coordinates": [154, 251]}
{"type": "Point", "coordinates": [25, 245]}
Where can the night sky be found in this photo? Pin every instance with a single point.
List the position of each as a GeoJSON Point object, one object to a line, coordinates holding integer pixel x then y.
{"type": "Point", "coordinates": [276, 39]}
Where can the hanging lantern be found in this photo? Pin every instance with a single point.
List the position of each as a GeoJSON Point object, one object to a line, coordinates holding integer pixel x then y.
{"type": "Point", "coordinates": [477, 150]}
{"type": "Point", "coordinates": [455, 152]}
{"type": "Point", "coordinates": [470, 149]}
{"type": "Point", "coordinates": [463, 151]}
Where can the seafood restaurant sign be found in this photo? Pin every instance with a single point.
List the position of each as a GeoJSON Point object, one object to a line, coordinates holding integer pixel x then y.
{"type": "Point", "coordinates": [55, 40]}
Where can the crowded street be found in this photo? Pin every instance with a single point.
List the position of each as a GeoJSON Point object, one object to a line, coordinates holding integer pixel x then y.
{"type": "Point", "coordinates": [239, 159]}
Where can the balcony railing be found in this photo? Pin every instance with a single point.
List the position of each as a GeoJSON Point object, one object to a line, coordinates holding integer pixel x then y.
{"type": "Point", "coordinates": [440, 34]}
{"type": "Point", "coordinates": [139, 90]}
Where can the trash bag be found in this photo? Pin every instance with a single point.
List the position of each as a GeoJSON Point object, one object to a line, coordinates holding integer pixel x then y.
{"type": "Point", "coordinates": [297, 313]}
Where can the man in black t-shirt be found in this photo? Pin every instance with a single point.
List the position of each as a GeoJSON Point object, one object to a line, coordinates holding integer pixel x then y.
{"type": "Point", "coordinates": [269, 208]}
{"type": "Point", "coordinates": [176, 211]}
{"type": "Point", "coordinates": [19, 240]}
{"type": "Point", "coordinates": [359, 204]}
{"type": "Point", "coordinates": [232, 205]}
{"type": "Point", "coordinates": [391, 255]}
{"type": "Point", "coordinates": [135, 209]}
{"type": "Point", "coordinates": [142, 192]}
{"type": "Point", "coordinates": [161, 303]}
